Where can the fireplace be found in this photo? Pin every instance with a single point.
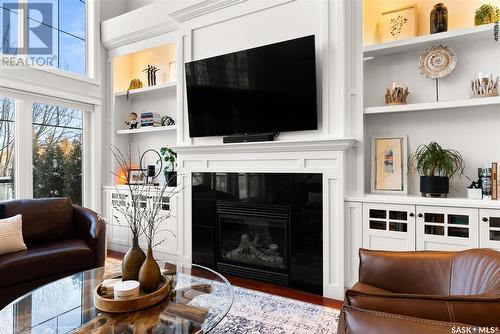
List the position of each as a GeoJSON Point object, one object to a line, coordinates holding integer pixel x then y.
{"type": "Point", "coordinates": [262, 226]}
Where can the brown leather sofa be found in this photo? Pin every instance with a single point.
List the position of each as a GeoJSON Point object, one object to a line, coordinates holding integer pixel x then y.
{"type": "Point", "coordinates": [62, 239]}
{"type": "Point", "coordinates": [423, 292]}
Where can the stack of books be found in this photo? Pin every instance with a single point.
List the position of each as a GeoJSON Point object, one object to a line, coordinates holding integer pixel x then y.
{"type": "Point", "coordinates": [149, 118]}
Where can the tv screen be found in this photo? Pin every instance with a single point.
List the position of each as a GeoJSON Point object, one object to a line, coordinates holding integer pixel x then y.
{"type": "Point", "coordinates": [266, 89]}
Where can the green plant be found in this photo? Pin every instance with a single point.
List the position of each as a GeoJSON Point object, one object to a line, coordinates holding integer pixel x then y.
{"type": "Point", "coordinates": [433, 160]}
{"type": "Point", "coordinates": [169, 157]}
{"type": "Point", "coordinates": [487, 14]}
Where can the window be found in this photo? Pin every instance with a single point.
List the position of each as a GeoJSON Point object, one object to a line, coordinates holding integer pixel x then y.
{"type": "Point", "coordinates": [6, 148]}
{"type": "Point", "coordinates": [57, 152]}
{"type": "Point", "coordinates": [55, 34]}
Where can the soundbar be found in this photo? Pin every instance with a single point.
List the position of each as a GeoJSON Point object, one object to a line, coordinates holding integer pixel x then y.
{"type": "Point", "coordinates": [248, 138]}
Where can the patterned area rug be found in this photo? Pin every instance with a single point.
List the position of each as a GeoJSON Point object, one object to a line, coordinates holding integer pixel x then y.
{"type": "Point", "coordinates": [255, 312]}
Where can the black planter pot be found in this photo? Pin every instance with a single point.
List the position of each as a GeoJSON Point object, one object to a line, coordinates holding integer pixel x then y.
{"type": "Point", "coordinates": [434, 186]}
{"type": "Point", "coordinates": [171, 178]}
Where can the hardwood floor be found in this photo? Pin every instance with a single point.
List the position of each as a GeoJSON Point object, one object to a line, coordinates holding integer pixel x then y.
{"type": "Point", "coordinates": [269, 288]}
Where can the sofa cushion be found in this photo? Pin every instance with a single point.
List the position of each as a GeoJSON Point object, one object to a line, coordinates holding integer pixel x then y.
{"type": "Point", "coordinates": [44, 220]}
{"type": "Point", "coordinates": [45, 260]}
{"type": "Point", "coordinates": [11, 235]}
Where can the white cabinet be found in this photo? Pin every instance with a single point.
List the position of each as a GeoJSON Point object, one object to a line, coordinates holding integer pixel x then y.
{"type": "Point", "coordinates": [489, 228]}
{"type": "Point", "coordinates": [353, 241]}
{"type": "Point", "coordinates": [389, 227]}
{"type": "Point", "coordinates": [446, 228]}
{"type": "Point", "coordinates": [119, 230]}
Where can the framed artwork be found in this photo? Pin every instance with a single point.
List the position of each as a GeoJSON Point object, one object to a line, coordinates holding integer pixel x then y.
{"type": "Point", "coordinates": [389, 165]}
{"type": "Point", "coordinates": [136, 176]}
{"type": "Point", "coordinates": [398, 24]}
{"type": "Point", "coordinates": [172, 71]}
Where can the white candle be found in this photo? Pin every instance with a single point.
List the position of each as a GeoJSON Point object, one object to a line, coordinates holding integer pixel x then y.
{"type": "Point", "coordinates": [126, 290]}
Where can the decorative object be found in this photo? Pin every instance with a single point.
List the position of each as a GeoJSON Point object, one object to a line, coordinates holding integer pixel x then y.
{"type": "Point", "coordinates": [134, 84]}
{"type": "Point", "coordinates": [484, 86]}
{"type": "Point", "coordinates": [126, 290]}
{"type": "Point", "coordinates": [437, 62]}
{"type": "Point", "coordinates": [136, 176]}
{"type": "Point", "coordinates": [436, 166]}
{"type": "Point", "coordinates": [398, 24]}
{"type": "Point", "coordinates": [133, 260]}
{"type": "Point", "coordinates": [11, 235]}
{"type": "Point", "coordinates": [151, 73]}
{"type": "Point", "coordinates": [149, 118]}
{"type": "Point", "coordinates": [439, 18]}
{"type": "Point", "coordinates": [132, 121]}
{"type": "Point", "coordinates": [167, 121]}
{"type": "Point", "coordinates": [149, 162]}
{"type": "Point", "coordinates": [169, 157]}
{"type": "Point", "coordinates": [487, 14]}
{"type": "Point", "coordinates": [396, 94]}
{"type": "Point", "coordinates": [133, 304]}
{"type": "Point", "coordinates": [389, 165]}
{"type": "Point", "coordinates": [474, 193]}
{"type": "Point", "coordinates": [485, 181]}
{"type": "Point", "coordinates": [172, 71]}
{"type": "Point", "coordinates": [494, 180]}
{"type": "Point", "coordinates": [149, 274]}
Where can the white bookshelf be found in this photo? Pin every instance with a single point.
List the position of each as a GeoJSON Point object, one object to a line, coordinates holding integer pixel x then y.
{"type": "Point", "coordinates": [146, 130]}
{"type": "Point", "coordinates": [157, 88]}
{"type": "Point", "coordinates": [472, 102]}
{"type": "Point", "coordinates": [423, 42]}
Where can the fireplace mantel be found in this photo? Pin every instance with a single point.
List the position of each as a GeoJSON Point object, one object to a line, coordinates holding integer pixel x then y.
{"type": "Point", "coordinates": [326, 156]}
{"type": "Point", "coordinates": [327, 144]}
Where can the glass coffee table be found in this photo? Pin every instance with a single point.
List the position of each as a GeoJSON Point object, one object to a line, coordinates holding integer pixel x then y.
{"type": "Point", "coordinates": [67, 306]}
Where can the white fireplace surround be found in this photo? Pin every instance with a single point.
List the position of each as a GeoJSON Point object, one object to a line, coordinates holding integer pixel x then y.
{"type": "Point", "coordinates": [325, 156]}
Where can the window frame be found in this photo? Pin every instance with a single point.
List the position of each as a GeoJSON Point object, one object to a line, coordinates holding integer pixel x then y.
{"type": "Point", "coordinates": [92, 50]}
{"type": "Point", "coordinates": [23, 143]}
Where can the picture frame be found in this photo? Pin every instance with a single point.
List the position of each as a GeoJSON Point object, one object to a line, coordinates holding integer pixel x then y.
{"type": "Point", "coordinates": [172, 71]}
{"type": "Point", "coordinates": [398, 24]}
{"type": "Point", "coordinates": [136, 176]}
{"type": "Point", "coordinates": [389, 165]}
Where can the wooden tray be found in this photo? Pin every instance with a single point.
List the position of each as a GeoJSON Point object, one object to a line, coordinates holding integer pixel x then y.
{"type": "Point", "coordinates": [134, 304]}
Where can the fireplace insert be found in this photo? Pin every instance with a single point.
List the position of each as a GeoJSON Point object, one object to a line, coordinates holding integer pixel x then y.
{"type": "Point", "coordinates": [263, 226]}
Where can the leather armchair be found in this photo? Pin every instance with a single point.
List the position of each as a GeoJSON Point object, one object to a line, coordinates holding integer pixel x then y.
{"type": "Point", "coordinates": [62, 239]}
{"type": "Point", "coordinates": [434, 288]}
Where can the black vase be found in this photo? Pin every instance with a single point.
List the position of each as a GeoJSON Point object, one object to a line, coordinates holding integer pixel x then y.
{"type": "Point", "coordinates": [439, 18]}
{"type": "Point", "coordinates": [434, 186]}
{"type": "Point", "coordinates": [171, 178]}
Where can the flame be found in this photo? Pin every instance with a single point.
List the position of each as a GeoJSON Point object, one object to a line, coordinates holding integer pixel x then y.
{"type": "Point", "coordinates": [122, 176]}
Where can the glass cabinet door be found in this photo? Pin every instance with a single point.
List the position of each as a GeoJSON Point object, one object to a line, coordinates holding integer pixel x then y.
{"type": "Point", "coordinates": [489, 229]}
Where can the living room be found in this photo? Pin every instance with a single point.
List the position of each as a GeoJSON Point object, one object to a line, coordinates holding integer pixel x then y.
{"type": "Point", "coordinates": [249, 166]}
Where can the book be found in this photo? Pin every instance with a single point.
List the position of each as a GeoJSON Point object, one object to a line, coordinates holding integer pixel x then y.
{"type": "Point", "coordinates": [494, 180]}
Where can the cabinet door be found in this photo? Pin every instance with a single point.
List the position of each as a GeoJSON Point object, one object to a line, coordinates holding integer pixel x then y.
{"type": "Point", "coordinates": [120, 232]}
{"type": "Point", "coordinates": [167, 231]}
{"type": "Point", "coordinates": [489, 229]}
{"type": "Point", "coordinates": [389, 226]}
{"type": "Point", "coordinates": [445, 228]}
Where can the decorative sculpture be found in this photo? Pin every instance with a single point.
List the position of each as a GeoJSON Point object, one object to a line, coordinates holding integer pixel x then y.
{"type": "Point", "coordinates": [151, 72]}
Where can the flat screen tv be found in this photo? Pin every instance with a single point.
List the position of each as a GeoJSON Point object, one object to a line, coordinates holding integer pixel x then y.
{"type": "Point", "coordinates": [266, 89]}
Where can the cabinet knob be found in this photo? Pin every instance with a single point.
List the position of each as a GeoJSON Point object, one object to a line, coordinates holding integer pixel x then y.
{"type": "Point", "coordinates": [420, 215]}
{"type": "Point", "coordinates": [412, 214]}
{"type": "Point", "coordinates": [485, 219]}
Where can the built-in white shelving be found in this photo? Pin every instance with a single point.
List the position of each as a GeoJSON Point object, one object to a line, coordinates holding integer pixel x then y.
{"type": "Point", "coordinates": [146, 130]}
{"type": "Point", "coordinates": [161, 87]}
{"type": "Point", "coordinates": [422, 42]}
{"type": "Point", "coordinates": [472, 102]}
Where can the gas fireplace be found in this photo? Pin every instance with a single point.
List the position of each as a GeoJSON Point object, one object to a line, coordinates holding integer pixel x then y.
{"type": "Point", "coordinates": [263, 226]}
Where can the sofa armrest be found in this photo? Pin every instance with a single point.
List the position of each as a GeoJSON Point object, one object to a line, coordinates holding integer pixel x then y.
{"type": "Point", "coordinates": [91, 228]}
{"type": "Point", "coordinates": [479, 310]}
{"type": "Point", "coordinates": [356, 321]}
{"type": "Point", "coordinates": [423, 272]}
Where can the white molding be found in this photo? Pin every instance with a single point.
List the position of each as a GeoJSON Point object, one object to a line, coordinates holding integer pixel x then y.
{"type": "Point", "coordinates": [139, 35]}
{"type": "Point", "coordinates": [334, 144]}
{"type": "Point", "coordinates": [202, 8]}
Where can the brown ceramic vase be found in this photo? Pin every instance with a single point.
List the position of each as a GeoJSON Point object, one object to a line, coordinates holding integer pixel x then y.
{"type": "Point", "coordinates": [132, 261]}
{"type": "Point", "coordinates": [149, 274]}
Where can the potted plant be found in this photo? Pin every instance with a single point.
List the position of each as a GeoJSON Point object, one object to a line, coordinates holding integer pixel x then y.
{"type": "Point", "coordinates": [487, 14]}
{"type": "Point", "coordinates": [169, 157]}
{"type": "Point", "coordinates": [436, 166]}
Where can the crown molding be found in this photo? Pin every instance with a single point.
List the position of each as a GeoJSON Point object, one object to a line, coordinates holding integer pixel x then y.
{"type": "Point", "coordinates": [202, 8]}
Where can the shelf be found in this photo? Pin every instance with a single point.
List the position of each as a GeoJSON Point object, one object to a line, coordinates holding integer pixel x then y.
{"type": "Point", "coordinates": [423, 42]}
{"type": "Point", "coordinates": [146, 129]}
{"type": "Point", "coordinates": [419, 200]}
{"type": "Point", "coordinates": [161, 87]}
{"type": "Point", "coordinates": [473, 102]}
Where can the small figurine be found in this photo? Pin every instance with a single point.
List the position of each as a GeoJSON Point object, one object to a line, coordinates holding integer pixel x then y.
{"type": "Point", "coordinates": [132, 121]}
